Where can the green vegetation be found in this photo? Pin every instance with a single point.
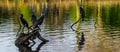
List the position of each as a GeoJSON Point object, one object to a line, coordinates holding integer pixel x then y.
{"type": "Point", "coordinates": [73, 12]}
{"type": "Point", "coordinates": [26, 12]}
{"type": "Point", "coordinates": [111, 15]}
{"type": "Point", "coordinates": [109, 11]}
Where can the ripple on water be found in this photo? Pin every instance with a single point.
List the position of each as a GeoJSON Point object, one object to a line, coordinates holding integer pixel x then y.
{"type": "Point", "coordinates": [59, 39]}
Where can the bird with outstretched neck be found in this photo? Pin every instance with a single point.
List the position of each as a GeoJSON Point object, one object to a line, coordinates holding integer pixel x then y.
{"type": "Point", "coordinates": [34, 20]}
{"type": "Point", "coordinates": [37, 22]}
{"type": "Point", "coordinates": [33, 17]}
{"type": "Point", "coordinates": [24, 22]}
{"type": "Point", "coordinates": [41, 19]}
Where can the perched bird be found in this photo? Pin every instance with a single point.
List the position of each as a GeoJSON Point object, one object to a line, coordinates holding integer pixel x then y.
{"type": "Point", "coordinates": [41, 19]}
{"type": "Point", "coordinates": [38, 22]}
{"type": "Point", "coordinates": [44, 11]}
{"type": "Point", "coordinates": [82, 12]}
{"type": "Point", "coordinates": [24, 22]}
{"type": "Point", "coordinates": [34, 19]}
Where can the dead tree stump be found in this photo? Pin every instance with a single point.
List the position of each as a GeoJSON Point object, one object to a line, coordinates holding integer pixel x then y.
{"type": "Point", "coordinates": [25, 37]}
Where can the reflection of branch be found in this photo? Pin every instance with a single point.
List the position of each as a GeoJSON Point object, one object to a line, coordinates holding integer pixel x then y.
{"type": "Point", "coordinates": [25, 37]}
{"type": "Point", "coordinates": [74, 24]}
{"type": "Point", "coordinates": [40, 45]}
{"type": "Point", "coordinates": [26, 48]}
{"type": "Point", "coordinates": [19, 27]}
{"type": "Point", "coordinates": [95, 24]}
{"type": "Point", "coordinates": [18, 31]}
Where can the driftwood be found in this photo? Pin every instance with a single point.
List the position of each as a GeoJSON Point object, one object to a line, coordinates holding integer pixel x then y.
{"type": "Point", "coordinates": [25, 37]}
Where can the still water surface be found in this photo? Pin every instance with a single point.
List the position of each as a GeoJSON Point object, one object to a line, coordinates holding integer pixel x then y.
{"type": "Point", "coordinates": [101, 28]}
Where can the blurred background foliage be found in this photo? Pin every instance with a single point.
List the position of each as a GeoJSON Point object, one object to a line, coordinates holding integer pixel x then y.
{"type": "Point", "coordinates": [11, 8]}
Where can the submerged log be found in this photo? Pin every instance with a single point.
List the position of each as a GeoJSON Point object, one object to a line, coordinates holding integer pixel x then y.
{"type": "Point", "coordinates": [25, 37]}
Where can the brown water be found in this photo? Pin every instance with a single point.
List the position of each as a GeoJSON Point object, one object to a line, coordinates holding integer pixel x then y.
{"type": "Point", "coordinates": [101, 26]}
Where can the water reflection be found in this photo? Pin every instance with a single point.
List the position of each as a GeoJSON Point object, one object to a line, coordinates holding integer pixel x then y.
{"type": "Point", "coordinates": [101, 37]}
{"type": "Point", "coordinates": [80, 40]}
{"type": "Point", "coordinates": [26, 48]}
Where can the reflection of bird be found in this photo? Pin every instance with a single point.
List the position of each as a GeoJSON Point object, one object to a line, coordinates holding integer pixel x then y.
{"type": "Point", "coordinates": [81, 42]}
{"type": "Point", "coordinates": [82, 39]}
{"type": "Point", "coordinates": [24, 22]}
{"type": "Point", "coordinates": [82, 12]}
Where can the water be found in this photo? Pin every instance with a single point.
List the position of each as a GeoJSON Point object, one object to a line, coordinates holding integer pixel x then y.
{"type": "Point", "coordinates": [100, 27]}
